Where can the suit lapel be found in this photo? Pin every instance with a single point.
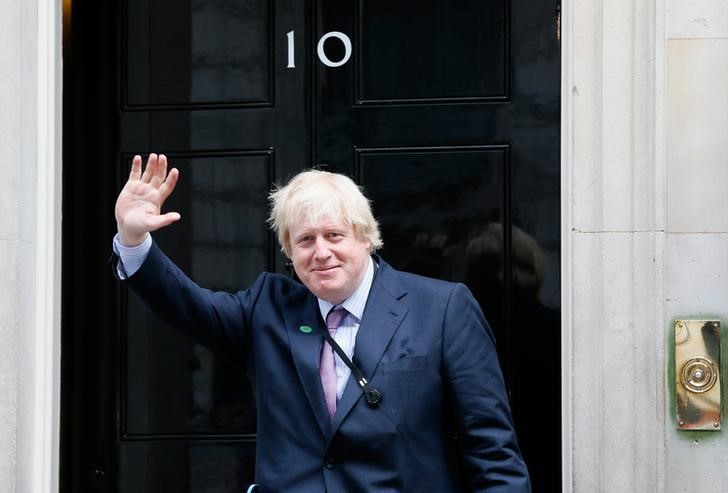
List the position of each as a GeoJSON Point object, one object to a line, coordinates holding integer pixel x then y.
{"type": "Point", "coordinates": [306, 351]}
{"type": "Point", "coordinates": [382, 316]}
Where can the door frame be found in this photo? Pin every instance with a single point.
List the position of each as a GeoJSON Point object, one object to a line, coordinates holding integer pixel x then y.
{"type": "Point", "coordinates": [567, 59]}
{"type": "Point", "coordinates": [39, 262]}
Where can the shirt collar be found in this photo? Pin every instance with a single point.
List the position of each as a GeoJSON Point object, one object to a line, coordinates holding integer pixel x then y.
{"type": "Point", "coordinates": [355, 303]}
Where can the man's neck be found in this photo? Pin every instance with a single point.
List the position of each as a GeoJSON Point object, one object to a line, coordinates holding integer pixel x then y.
{"type": "Point", "coordinates": [355, 303]}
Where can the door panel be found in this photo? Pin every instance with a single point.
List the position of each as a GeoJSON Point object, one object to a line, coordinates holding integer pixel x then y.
{"type": "Point", "coordinates": [447, 112]}
{"type": "Point", "coordinates": [174, 386]}
{"type": "Point", "coordinates": [440, 210]}
{"type": "Point", "coordinates": [204, 52]}
{"type": "Point", "coordinates": [415, 51]}
{"type": "Point", "coordinates": [201, 84]}
{"type": "Point", "coordinates": [194, 467]}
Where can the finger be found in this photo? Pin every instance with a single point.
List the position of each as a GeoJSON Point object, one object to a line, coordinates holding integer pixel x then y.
{"type": "Point", "coordinates": [162, 168]}
{"type": "Point", "coordinates": [150, 169]}
{"type": "Point", "coordinates": [136, 168]}
{"type": "Point", "coordinates": [157, 222]}
{"type": "Point", "coordinates": [160, 171]}
{"type": "Point", "coordinates": [168, 186]}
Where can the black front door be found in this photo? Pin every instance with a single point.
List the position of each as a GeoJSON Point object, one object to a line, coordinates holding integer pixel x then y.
{"type": "Point", "coordinates": [446, 112]}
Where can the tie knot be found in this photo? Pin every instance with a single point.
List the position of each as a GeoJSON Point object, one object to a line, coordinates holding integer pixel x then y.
{"type": "Point", "coordinates": [334, 318]}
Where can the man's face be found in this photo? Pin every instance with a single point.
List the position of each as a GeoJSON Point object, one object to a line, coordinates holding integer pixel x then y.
{"type": "Point", "coordinates": [329, 258]}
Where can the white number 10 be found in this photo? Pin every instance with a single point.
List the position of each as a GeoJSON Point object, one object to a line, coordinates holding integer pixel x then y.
{"type": "Point", "coordinates": [320, 49]}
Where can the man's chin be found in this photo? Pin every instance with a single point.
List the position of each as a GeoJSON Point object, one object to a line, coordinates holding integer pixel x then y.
{"type": "Point", "coordinates": [332, 294]}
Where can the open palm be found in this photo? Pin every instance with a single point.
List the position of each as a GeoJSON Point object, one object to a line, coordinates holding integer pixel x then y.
{"type": "Point", "coordinates": [139, 205]}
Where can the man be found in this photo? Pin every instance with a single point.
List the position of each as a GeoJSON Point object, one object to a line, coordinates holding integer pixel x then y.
{"type": "Point", "coordinates": [424, 350]}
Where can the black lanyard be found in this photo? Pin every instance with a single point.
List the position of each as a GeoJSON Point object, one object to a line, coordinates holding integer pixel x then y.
{"type": "Point", "coordinates": [372, 395]}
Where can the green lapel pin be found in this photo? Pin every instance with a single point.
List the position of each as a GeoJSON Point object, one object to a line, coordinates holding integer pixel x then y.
{"type": "Point", "coordinates": [305, 329]}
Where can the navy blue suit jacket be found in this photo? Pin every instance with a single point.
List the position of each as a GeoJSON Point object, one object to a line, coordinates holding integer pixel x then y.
{"type": "Point", "coordinates": [423, 343]}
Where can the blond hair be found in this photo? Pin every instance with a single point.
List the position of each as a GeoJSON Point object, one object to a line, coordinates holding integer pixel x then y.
{"type": "Point", "coordinates": [313, 195]}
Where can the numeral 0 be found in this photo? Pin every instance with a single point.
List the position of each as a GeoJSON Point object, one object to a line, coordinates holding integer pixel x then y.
{"type": "Point", "coordinates": [320, 49]}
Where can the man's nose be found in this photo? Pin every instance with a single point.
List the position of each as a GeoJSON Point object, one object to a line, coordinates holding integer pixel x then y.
{"type": "Point", "coordinates": [322, 248]}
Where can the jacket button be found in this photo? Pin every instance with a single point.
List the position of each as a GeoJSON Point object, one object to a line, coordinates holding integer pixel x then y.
{"type": "Point", "coordinates": [330, 463]}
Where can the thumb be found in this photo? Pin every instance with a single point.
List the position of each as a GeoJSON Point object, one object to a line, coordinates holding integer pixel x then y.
{"type": "Point", "coordinates": [163, 220]}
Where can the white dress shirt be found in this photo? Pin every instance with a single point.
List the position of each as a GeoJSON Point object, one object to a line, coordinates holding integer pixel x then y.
{"type": "Point", "coordinates": [346, 333]}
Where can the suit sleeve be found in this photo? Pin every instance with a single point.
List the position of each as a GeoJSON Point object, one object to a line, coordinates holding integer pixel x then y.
{"type": "Point", "coordinates": [217, 320]}
{"type": "Point", "coordinates": [493, 461]}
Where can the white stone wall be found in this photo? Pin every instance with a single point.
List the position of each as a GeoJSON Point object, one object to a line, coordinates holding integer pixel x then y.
{"type": "Point", "coordinates": [696, 250]}
{"type": "Point", "coordinates": [10, 130]}
{"type": "Point", "coordinates": [646, 235]}
{"type": "Point", "coordinates": [29, 244]}
{"type": "Point", "coordinates": [614, 219]}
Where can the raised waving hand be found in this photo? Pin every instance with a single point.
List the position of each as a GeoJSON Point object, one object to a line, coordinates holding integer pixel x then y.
{"type": "Point", "coordinates": [139, 205]}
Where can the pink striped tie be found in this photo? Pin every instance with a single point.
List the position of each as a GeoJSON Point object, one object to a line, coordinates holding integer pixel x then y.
{"type": "Point", "coordinates": [327, 370]}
